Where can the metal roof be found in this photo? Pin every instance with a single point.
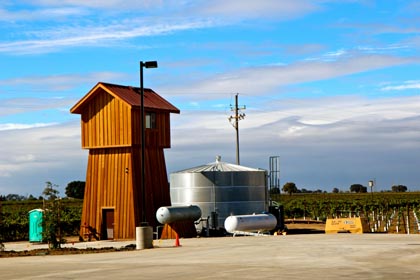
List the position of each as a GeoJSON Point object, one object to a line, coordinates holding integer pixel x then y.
{"type": "Point", "coordinates": [129, 94]}
{"type": "Point", "coordinates": [218, 165]}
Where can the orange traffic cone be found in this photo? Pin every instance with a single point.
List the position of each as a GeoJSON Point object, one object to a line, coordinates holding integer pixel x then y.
{"type": "Point", "coordinates": [177, 240]}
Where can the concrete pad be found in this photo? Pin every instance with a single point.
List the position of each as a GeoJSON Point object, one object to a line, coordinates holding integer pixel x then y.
{"type": "Point", "coordinates": [317, 256]}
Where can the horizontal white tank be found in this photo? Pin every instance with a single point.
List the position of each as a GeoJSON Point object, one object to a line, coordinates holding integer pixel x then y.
{"type": "Point", "coordinates": [256, 222]}
{"type": "Point", "coordinates": [171, 214]}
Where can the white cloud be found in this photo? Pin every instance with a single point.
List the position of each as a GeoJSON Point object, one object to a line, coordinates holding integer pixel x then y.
{"type": "Point", "coordinates": [61, 82]}
{"type": "Point", "coordinates": [27, 105]}
{"type": "Point", "coordinates": [40, 14]}
{"type": "Point", "coordinates": [30, 157]}
{"type": "Point", "coordinates": [405, 86]}
{"type": "Point", "coordinates": [227, 9]}
{"type": "Point", "coordinates": [53, 40]}
{"type": "Point", "coordinates": [249, 9]}
{"type": "Point", "coordinates": [15, 126]}
{"type": "Point", "coordinates": [162, 18]}
{"type": "Point", "coordinates": [266, 79]}
{"type": "Point", "coordinates": [336, 53]}
{"type": "Point", "coordinates": [103, 4]}
{"type": "Point", "coordinates": [382, 49]}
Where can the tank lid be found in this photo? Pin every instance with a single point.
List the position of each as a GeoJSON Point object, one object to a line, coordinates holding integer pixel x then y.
{"type": "Point", "coordinates": [218, 165]}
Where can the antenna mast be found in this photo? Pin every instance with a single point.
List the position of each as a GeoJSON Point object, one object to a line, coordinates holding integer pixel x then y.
{"type": "Point", "coordinates": [234, 120]}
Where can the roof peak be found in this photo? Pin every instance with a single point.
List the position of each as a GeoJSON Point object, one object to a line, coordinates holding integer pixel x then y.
{"type": "Point", "coordinates": [128, 94]}
{"type": "Point", "coordinates": [220, 166]}
{"type": "Point", "coordinates": [124, 86]}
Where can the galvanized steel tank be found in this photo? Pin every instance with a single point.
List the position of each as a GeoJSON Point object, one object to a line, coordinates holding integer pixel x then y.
{"type": "Point", "coordinates": [221, 188]}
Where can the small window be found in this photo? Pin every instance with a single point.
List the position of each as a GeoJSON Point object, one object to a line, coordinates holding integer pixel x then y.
{"type": "Point", "coordinates": [150, 120]}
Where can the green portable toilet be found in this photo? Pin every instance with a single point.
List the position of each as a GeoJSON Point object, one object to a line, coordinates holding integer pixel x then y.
{"type": "Point", "coordinates": [35, 225]}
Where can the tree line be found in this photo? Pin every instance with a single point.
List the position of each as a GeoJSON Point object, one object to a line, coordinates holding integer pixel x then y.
{"type": "Point", "coordinates": [74, 189]}
{"type": "Point", "coordinates": [291, 188]}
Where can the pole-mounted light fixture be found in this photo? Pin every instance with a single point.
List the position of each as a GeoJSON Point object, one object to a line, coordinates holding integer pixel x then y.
{"type": "Point", "coordinates": [149, 64]}
{"type": "Point", "coordinates": [146, 64]}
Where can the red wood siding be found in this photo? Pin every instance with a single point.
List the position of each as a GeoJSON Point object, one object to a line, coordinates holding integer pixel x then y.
{"type": "Point", "coordinates": [156, 183]}
{"type": "Point", "coordinates": [106, 122]}
{"type": "Point", "coordinates": [109, 185]}
{"type": "Point", "coordinates": [155, 137]}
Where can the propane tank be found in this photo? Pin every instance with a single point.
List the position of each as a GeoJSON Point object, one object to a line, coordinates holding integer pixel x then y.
{"type": "Point", "coordinates": [256, 222]}
{"type": "Point", "coordinates": [170, 214]}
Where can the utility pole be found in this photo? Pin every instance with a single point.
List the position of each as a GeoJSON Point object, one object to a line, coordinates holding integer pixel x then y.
{"type": "Point", "coordinates": [234, 120]}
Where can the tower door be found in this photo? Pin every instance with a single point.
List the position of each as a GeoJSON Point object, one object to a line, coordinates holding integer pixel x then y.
{"type": "Point", "coordinates": [108, 223]}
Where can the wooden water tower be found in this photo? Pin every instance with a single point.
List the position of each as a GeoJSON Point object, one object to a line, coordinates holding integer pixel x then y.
{"type": "Point", "coordinates": [111, 131]}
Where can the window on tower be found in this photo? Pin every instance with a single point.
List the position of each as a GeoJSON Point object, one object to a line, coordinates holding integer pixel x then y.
{"type": "Point", "coordinates": [150, 120]}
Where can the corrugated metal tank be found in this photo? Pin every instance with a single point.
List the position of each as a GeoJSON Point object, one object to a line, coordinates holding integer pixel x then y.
{"type": "Point", "coordinates": [221, 188]}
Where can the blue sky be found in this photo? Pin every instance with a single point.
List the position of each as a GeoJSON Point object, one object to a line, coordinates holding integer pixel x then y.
{"type": "Point", "coordinates": [332, 87]}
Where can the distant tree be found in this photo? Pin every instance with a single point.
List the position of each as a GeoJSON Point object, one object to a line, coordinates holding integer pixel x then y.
{"type": "Point", "coordinates": [50, 192]}
{"type": "Point", "coordinates": [275, 190]}
{"type": "Point", "coordinates": [399, 188]}
{"type": "Point", "coordinates": [31, 197]}
{"type": "Point", "coordinates": [75, 189]}
{"type": "Point", "coordinates": [335, 190]}
{"type": "Point", "coordinates": [15, 197]}
{"type": "Point", "coordinates": [358, 188]}
{"type": "Point", "coordinates": [290, 188]}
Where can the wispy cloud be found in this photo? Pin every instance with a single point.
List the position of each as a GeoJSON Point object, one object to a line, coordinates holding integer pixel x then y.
{"type": "Point", "coordinates": [405, 86]}
{"type": "Point", "coordinates": [265, 79]}
{"type": "Point", "coordinates": [15, 106]}
{"type": "Point", "coordinates": [249, 9]}
{"type": "Point", "coordinates": [215, 8]}
{"type": "Point", "coordinates": [336, 53]}
{"type": "Point", "coordinates": [102, 31]}
{"type": "Point", "coordinates": [53, 40]}
{"type": "Point", "coordinates": [383, 49]}
{"type": "Point", "coordinates": [40, 14]}
{"type": "Point", "coordinates": [16, 126]}
{"type": "Point", "coordinates": [108, 4]}
{"type": "Point", "coordinates": [61, 82]}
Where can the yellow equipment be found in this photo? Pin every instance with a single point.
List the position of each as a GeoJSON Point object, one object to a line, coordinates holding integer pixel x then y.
{"type": "Point", "coordinates": [349, 225]}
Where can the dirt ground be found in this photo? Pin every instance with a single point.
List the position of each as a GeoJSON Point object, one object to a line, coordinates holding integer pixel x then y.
{"type": "Point", "coordinates": [304, 227]}
{"type": "Point", "coordinates": [62, 251]}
